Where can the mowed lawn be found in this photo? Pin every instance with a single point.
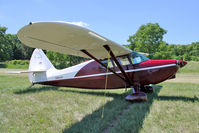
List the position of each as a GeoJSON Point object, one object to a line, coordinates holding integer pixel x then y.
{"type": "Point", "coordinates": [172, 108]}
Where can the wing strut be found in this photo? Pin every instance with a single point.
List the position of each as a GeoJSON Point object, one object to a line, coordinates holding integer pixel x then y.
{"type": "Point", "coordinates": [118, 64]}
{"type": "Point", "coordinates": [91, 56]}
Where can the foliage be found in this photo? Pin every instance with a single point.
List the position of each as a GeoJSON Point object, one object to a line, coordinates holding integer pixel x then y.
{"type": "Point", "coordinates": [185, 52]}
{"type": "Point", "coordinates": [15, 64]}
{"type": "Point", "coordinates": [5, 49]}
{"type": "Point", "coordinates": [11, 48]}
{"type": "Point", "coordinates": [62, 61]}
{"type": "Point", "coordinates": [149, 39]}
{"type": "Point", "coordinates": [19, 62]}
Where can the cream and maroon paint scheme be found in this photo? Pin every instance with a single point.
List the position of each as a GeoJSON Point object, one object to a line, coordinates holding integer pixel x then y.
{"type": "Point", "coordinates": [126, 68]}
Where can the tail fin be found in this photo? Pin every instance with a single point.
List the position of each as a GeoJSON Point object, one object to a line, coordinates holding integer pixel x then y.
{"type": "Point", "coordinates": [39, 64]}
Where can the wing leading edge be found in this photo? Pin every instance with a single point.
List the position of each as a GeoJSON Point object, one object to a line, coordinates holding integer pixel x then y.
{"type": "Point", "coordinates": [68, 39]}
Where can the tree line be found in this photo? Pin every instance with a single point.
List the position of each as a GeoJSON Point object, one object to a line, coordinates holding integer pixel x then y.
{"type": "Point", "coordinates": [148, 39]}
{"type": "Point", "coordinates": [12, 49]}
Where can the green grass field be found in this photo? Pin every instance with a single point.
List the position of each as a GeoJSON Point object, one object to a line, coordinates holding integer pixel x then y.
{"type": "Point", "coordinates": [172, 108]}
{"type": "Point", "coordinates": [191, 67]}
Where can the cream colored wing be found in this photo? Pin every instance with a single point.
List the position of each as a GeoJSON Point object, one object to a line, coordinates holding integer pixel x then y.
{"type": "Point", "coordinates": [68, 39]}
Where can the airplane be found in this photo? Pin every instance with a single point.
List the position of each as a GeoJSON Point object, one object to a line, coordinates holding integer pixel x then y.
{"type": "Point", "coordinates": [112, 66]}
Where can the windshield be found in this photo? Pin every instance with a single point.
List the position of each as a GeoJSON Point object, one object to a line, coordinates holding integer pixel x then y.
{"type": "Point", "coordinates": [137, 58]}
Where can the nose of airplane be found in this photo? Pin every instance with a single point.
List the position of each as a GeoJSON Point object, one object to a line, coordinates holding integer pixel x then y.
{"type": "Point", "coordinates": [181, 63]}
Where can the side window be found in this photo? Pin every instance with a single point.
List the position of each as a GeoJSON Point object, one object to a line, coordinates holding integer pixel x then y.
{"type": "Point", "coordinates": [110, 65]}
{"type": "Point", "coordinates": [124, 60]}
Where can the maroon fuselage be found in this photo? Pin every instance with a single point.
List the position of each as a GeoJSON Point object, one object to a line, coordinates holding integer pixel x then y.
{"type": "Point", "coordinates": [93, 75]}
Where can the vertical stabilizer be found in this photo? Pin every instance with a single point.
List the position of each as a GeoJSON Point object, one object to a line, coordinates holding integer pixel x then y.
{"type": "Point", "coordinates": [39, 64]}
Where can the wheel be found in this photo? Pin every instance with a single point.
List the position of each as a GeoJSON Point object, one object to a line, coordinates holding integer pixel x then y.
{"type": "Point", "coordinates": [138, 96]}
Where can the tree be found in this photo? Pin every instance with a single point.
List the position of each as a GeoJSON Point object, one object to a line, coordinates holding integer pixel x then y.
{"type": "Point", "coordinates": [162, 51]}
{"type": "Point", "coordinates": [147, 39]}
{"type": "Point", "coordinates": [26, 52]}
{"type": "Point", "coordinates": [62, 60]}
{"type": "Point", "coordinates": [17, 48]}
{"type": "Point", "coordinates": [5, 47]}
{"type": "Point", "coordinates": [186, 57]}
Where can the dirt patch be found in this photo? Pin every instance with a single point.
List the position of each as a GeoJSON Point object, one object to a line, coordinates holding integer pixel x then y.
{"type": "Point", "coordinates": [185, 78]}
{"type": "Point", "coordinates": [6, 71]}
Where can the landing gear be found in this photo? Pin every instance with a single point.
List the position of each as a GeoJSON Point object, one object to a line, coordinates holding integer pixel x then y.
{"type": "Point", "coordinates": [147, 89]}
{"type": "Point", "coordinates": [137, 95]}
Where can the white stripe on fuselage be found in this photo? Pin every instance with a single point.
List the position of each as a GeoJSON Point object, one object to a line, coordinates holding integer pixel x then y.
{"type": "Point", "coordinates": [63, 76]}
{"type": "Point", "coordinates": [127, 71]}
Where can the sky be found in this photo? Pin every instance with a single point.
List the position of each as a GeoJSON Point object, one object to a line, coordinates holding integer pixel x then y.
{"type": "Point", "coordinates": [113, 19]}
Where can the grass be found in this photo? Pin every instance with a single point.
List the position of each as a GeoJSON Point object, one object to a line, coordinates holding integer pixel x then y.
{"type": "Point", "coordinates": [173, 107]}
{"type": "Point", "coordinates": [174, 110]}
{"type": "Point", "coordinates": [191, 67]}
{"type": "Point", "coordinates": [45, 108]}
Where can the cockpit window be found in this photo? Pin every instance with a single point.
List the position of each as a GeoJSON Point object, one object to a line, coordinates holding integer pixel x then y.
{"type": "Point", "coordinates": [137, 58]}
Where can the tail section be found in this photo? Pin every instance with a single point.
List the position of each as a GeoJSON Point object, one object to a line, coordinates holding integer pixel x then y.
{"type": "Point", "coordinates": [39, 65]}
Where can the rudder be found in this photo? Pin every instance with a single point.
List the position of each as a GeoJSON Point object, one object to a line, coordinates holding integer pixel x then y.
{"type": "Point", "coordinates": [39, 64]}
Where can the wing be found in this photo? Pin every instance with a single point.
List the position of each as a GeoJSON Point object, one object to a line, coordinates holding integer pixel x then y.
{"type": "Point", "coordinates": [68, 39]}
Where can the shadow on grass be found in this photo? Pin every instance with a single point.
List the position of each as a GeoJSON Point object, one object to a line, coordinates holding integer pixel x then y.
{"type": "Point", "coordinates": [34, 89]}
{"type": "Point", "coordinates": [54, 88]}
{"type": "Point", "coordinates": [90, 92]}
{"type": "Point", "coordinates": [115, 111]}
{"type": "Point", "coordinates": [178, 98]}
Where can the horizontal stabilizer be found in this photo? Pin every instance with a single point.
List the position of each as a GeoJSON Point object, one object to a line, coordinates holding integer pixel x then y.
{"type": "Point", "coordinates": [19, 72]}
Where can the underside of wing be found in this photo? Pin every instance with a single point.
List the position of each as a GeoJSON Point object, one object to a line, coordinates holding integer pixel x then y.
{"type": "Point", "coordinates": [68, 39]}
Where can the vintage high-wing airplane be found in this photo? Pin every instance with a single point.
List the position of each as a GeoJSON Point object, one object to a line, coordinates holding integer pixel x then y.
{"type": "Point", "coordinates": [126, 68]}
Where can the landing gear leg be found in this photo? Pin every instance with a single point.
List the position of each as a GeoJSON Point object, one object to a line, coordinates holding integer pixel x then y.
{"type": "Point", "coordinates": [133, 90]}
{"type": "Point", "coordinates": [137, 95]}
{"type": "Point", "coordinates": [147, 89]}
